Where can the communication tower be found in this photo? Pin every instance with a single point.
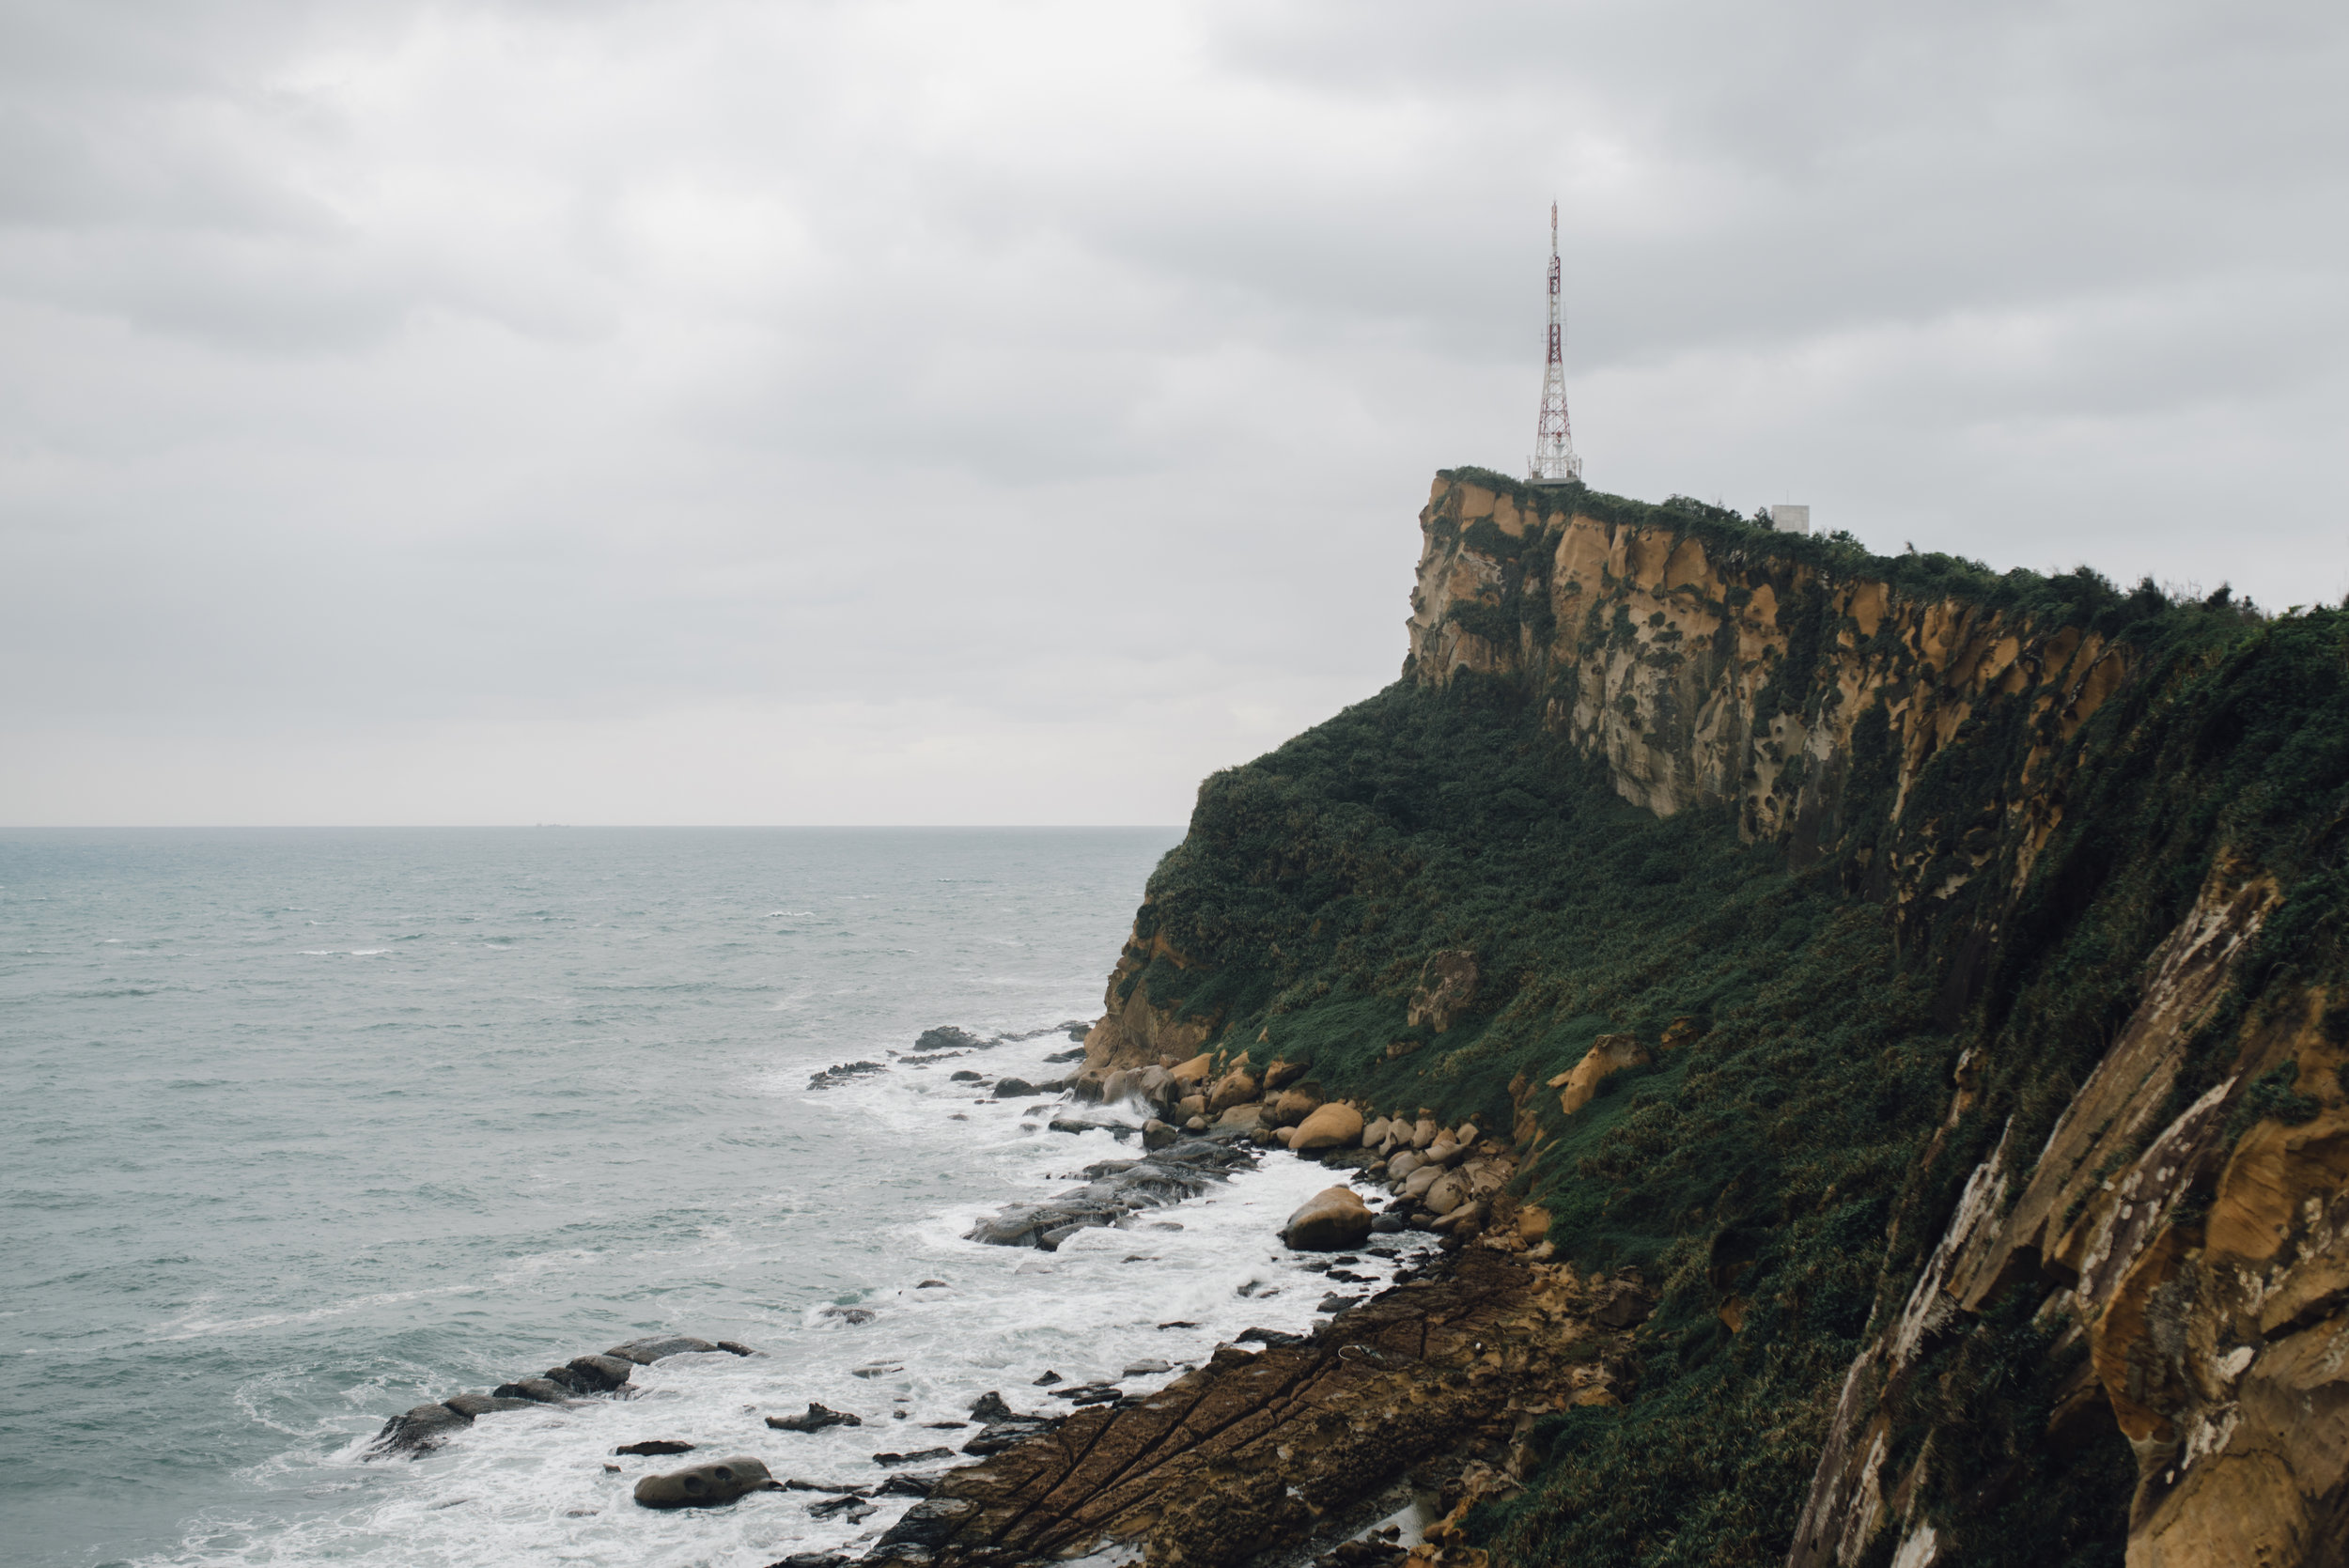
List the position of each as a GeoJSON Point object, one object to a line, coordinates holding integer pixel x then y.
{"type": "Point", "coordinates": [1554, 462]}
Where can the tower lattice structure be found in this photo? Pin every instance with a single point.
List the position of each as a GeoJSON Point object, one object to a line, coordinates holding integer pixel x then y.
{"type": "Point", "coordinates": [1554, 462]}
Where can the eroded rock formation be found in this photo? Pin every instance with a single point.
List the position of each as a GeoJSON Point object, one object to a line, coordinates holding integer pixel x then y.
{"type": "Point", "coordinates": [1253, 1451]}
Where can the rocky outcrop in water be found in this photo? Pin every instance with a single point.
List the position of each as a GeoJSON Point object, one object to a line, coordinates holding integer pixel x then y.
{"type": "Point", "coordinates": [1114, 1189]}
{"type": "Point", "coordinates": [427, 1427]}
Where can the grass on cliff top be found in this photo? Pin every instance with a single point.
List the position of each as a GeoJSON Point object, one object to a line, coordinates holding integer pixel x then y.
{"type": "Point", "coordinates": [2081, 597]}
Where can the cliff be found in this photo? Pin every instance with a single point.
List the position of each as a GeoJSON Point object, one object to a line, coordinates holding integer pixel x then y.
{"type": "Point", "coordinates": [1941, 968]}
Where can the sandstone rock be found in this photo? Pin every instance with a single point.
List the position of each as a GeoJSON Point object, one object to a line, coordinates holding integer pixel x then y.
{"type": "Point", "coordinates": [1329, 1221]}
{"type": "Point", "coordinates": [1241, 1118]}
{"type": "Point", "coordinates": [1415, 1186]}
{"type": "Point", "coordinates": [1279, 1075]}
{"type": "Point", "coordinates": [1294, 1105]}
{"type": "Point", "coordinates": [1192, 1105]}
{"type": "Point", "coordinates": [1447, 985]}
{"type": "Point", "coordinates": [1610, 1054]}
{"type": "Point", "coordinates": [1445, 1194]}
{"type": "Point", "coordinates": [1158, 1086]}
{"type": "Point", "coordinates": [1423, 1132]}
{"type": "Point", "coordinates": [1443, 1151]}
{"type": "Point", "coordinates": [1374, 1133]}
{"type": "Point", "coordinates": [1197, 1123]}
{"type": "Point", "coordinates": [1333, 1125]}
{"type": "Point", "coordinates": [1192, 1074]}
{"type": "Point", "coordinates": [1158, 1135]}
{"type": "Point", "coordinates": [1236, 1087]}
{"type": "Point", "coordinates": [1532, 1224]}
{"type": "Point", "coordinates": [1466, 1135]}
{"type": "Point", "coordinates": [1404, 1164]}
{"type": "Point", "coordinates": [1285, 1137]}
{"type": "Point", "coordinates": [710, 1486]}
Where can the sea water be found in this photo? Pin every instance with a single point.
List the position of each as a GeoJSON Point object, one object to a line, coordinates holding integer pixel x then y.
{"type": "Point", "coordinates": [304, 1127]}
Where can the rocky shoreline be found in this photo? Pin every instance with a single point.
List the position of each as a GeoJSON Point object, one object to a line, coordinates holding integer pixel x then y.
{"type": "Point", "coordinates": [1365, 1437]}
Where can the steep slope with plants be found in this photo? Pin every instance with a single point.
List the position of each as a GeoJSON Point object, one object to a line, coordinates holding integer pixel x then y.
{"type": "Point", "coordinates": [1940, 969]}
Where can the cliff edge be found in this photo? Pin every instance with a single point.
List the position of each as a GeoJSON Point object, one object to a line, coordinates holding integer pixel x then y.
{"type": "Point", "coordinates": [1932, 977]}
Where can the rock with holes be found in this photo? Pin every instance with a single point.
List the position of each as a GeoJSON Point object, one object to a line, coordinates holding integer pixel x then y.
{"type": "Point", "coordinates": [711, 1485]}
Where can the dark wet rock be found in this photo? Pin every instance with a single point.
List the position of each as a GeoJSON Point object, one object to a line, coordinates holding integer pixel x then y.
{"type": "Point", "coordinates": [879, 1368]}
{"type": "Point", "coordinates": [539, 1391]}
{"type": "Point", "coordinates": [1268, 1336]}
{"type": "Point", "coordinates": [419, 1431]}
{"type": "Point", "coordinates": [1149, 1367]}
{"type": "Point", "coordinates": [996, 1436]}
{"type": "Point", "coordinates": [931, 1284]}
{"type": "Point", "coordinates": [1179, 1323]}
{"type": "Point", "coordinates": [736, 1347]}
{"type": "Point", "coordinates": [1335, 1303]}
{"type": "Point", "coordinates": [1158, 1135]}
{"type": "Point", "coordinates": [944, 1426]}
{"type": "Point", "coordinates": [601, 1373]}
{"type": "Point", "coordinates": [966, 1076]}
{"type": "Point", "coordinates": [915, 1457]}
{"type": "Point", "coordinates": [848, 1314]}
{"type": "Point", "coordinates": [659, 1347]}
{"type": "Point", "coordinates": [1061, 1056]}
{"type": "Point", "coordinates": [818, 1417]}
{"type": "Point", "coordinates": [795, 1484]}
{"type": "Point", "coordinates": [927, 1525]}
{"type": "Point", "coordinates": [1048, 1379]}
{"type": "Point", "coordinates": [1115, 1188]}
{"type": "Point", "coordinates": [990, 1407]}
{"type": "Point", "coordinates": [910, 1485]}
{"type": "Point", "coordinates": [474, 1405]}
{"type": "Point", "coordinates": [950, 1038]}
{"type": "Point", "coordinates": [852, 1504]}
{"type": "Point", "coordinates": [812, 1560]}
{"type": "Point", "coordinates": [710, 1485]}
{"type": "Point", "coordinates": [842, 1072]}
{"type": "Point", "coordinates": [1387, 1225]}
{"type": "Point", "coordinates": [1093, 1121]}
{"type": "Point", "coordinates": [1014, 1089]}
{"type": "Point", "coordinates": [654, 1446]}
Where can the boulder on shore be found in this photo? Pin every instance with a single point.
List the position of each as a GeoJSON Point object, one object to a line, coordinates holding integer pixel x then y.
{"type": "Point", "coordinates": [539, 1391]}
{"type": "Point", "coordinates": [1334, 1126]}
{"type": "Point", "coordinates": [420, 1430]}
{"type": "Point", "coordinates": [1279, 1075]}
{"type": "Point", "coordinates": [1332, 1220]}
{"type": "Point", "coordinates": [1236, 1087]}
{"type": "Point", "coordinates": [1293, 1106]}
{"type": "Point", "coordinates": [710, 1485]}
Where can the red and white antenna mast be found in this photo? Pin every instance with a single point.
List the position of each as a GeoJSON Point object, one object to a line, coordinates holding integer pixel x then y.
{"type": "Point", "coordinates": [1554, 462]}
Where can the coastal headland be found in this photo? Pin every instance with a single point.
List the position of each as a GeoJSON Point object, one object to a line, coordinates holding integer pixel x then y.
{"type": "Point", "coordinates": [1925, 982]}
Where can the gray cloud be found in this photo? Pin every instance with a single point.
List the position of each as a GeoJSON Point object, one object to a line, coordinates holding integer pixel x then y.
{"type": "Point", "coordinates": [920, 411]}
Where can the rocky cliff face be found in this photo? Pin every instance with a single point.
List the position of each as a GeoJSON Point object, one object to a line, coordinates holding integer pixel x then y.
{"type": "Point", "coordinates": [2157, 1213]}
{"type": "Point", "coordinates": [2200, 1251]}
{"type": "Point", "coordinates": [1826, 711]}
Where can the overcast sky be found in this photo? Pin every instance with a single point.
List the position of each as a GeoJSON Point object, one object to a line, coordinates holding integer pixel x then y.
{"type": "Point", "coordinates": [699, 411]}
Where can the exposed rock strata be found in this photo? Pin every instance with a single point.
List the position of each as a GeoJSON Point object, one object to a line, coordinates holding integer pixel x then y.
{"type": "Point", "coordinates": [1252, 1450]}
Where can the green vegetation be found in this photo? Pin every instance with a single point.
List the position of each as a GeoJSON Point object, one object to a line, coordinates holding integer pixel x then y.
{"type": "Point", "coordinates": [1779, 1158]}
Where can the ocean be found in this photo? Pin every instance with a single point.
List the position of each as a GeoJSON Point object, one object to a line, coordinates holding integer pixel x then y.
{"type": "Point", "coordinates": [302, 1128]}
